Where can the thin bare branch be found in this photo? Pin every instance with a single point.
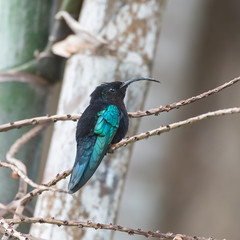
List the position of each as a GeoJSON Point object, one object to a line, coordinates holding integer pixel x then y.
{"type": "Point", "coordinates": [22, 170]}
{"type": "Point", "coordinates": [38, 120]}
{"type": "Point", "coordinates": [23, 77]}
{"type": "Point", "coordinates": [18, 167]}
{"type": "Point", "coordinates": [156, 111]}
{"type": "Point", "coordinates": [13, 206]}
{"type": "Point", "coordinates": [15, 169]}
{"type": "Point", "coordinates": [169, 127]}
{"type": "Point", "coordinates": [58, 178]}
{"type": "Point", "coordinates": [47, 187]}
{"type": "Point", "coordinates": [20, 142]}
{"type": "Point", "coordinates": [90, 224]}
{"type": "Point", "coordinates": [5, 210]}
{"type": "Point", "coordinates": [153, 111]}
{"type": "Point", "coordinates": [8, 230]}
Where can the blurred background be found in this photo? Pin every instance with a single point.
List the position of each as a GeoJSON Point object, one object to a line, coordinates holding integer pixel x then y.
{"type": "Point", "coordinates": [186, 180]}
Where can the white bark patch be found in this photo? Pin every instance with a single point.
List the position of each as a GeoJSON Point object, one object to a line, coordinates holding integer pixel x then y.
{"type": "Point", "coordinates": [93, 14]}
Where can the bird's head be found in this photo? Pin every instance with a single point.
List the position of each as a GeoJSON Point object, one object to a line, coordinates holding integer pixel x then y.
{"type": "Point", "coordinates": [114, 91]}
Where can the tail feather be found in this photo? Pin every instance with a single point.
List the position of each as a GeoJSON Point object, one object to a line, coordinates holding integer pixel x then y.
{"type": "Point", "coordinates": [84, 150]}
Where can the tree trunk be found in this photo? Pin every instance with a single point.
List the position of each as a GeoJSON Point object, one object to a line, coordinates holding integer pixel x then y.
{"type": "Point", "coordinates": [131, 29]}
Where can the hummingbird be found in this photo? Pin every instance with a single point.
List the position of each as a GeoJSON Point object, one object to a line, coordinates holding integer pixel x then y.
{"type": "Point", "coordinates": [103, 123]}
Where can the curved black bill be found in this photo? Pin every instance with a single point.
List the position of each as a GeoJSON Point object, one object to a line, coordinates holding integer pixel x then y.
{"type": "Point", "coordinates": [124, 84]}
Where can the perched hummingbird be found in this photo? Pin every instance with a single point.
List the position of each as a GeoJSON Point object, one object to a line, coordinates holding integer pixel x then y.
{"type": "Point", "coordinates": [104, 122]}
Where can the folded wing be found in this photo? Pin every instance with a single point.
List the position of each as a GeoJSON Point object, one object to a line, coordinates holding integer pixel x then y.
{"type": "Point", "coordinates": [92, 148]}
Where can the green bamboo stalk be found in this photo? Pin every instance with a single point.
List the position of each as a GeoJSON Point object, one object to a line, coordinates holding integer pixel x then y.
{"type": "Point", "coordinates": [24, 28]}
{"type": "Point", "coordinates": [19, 100]}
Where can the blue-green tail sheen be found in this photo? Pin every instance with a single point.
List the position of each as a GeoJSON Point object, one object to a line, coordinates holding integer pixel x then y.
{"type": "Point", "coordinates": [92, 148]}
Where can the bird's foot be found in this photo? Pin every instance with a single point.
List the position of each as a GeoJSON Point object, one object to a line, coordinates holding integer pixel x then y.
{"type": "Point", "coordinates": [110, 150]}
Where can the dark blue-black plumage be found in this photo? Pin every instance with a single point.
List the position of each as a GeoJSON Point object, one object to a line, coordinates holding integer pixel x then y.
{"type": "Point", "coordinates": [104, 122]}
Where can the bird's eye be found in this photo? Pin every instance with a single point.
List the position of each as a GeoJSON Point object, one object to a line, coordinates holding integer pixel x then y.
{"type": "Point", "coordinates": [112, 90]}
